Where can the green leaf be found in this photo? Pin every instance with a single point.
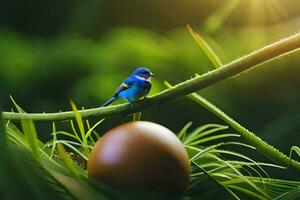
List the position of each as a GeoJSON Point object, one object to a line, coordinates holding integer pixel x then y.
{"type": "Point", "coordinates": [207, 187]}
{"type": "Point", "coordinates": [68, 162]}
{"type": "Point", "coordinates": [31, 136]}
{"type": "Point", "coordinates": [293, 194]}
{"type": "Point", "coordinates": [205, 48]}
{"type": "Point", "coordinates": [88, 134]}
{"type": "Point", "coordinates": [15, 135]}
{"type": "Point", "coordinates": [240, 156]}
{"type": "Point", "coordinates": [81, 128]}
{"type": "Point", "coordinates": [75, 132]}
{"type": "Point", "coordinates": [201, 132]}
{"type": "Point", "coordinates": [137, 116]}
{"type": "Point", "coordinates": [19, 109]}
{"type": "Point", "coordinates": [23, 177]}
{"type": "Point", "coordinates": [182, 132]}
{"type": "Point", "coordinates": [295, 149]}
{"type": "Point", "coordinates": [54, 140]}
{"type": "Point", "coordinates": [248, 192]}
{"type": "Point", "coordinates": [65, 134]}
{"type": "Point", "coordinates": [78, 120]}
{"type": "Point", "coordinates": [215, 137]}
{"type": "Point", "coordinates": [79, 189]}
{"type": "Point", "coordinates": [204, 151]}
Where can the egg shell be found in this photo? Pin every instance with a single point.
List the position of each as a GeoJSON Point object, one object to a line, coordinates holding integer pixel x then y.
{"type": "Point", "coordinates": [142, 155]}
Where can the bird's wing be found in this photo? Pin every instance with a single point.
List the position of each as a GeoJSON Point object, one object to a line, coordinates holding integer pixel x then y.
{"type": "Point", "coordinates": [125, 85]}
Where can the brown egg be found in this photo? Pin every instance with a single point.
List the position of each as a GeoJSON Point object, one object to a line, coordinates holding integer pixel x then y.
{"type": "Point", "coordinates": [141, 155]}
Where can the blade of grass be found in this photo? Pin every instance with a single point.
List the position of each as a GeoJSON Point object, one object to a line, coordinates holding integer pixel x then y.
{"type": "Point", "coordinates": [215, 137]}
{"type": "Point", "coordinates": [248, 192]}
{"type": "Point", "coordinates": [137, 116]}
{"type": "Point", "coordinates": [14, 133]}
{"type": "Point", "coordinates": [81, 128]}
{"type": "Point", "coordinates": [250, 183]}
{"type": "Point", "coordinates": [204, 151]}
{"type": "Point", "coordinates": [69, 145]}
{"type": "Point", "coordinates": [29, 131]}
{"type": "Point", "coordinates": [182, 132]}
{"type": "Point", "coordinates": [31, 136]}
{"type": "Point", "coordinates": [295, 149]}
{"type": "Point", "coordinates": [68, 142]}
{"type": "Point", "coordinates": [75, 132]}
{"type": "Point", "coordinates": [68, 162]}
{"type": "Point", "coordinates": [240, 144]}
{"type": "Point", "coordinates": [90, 136]}
{"type": "Point", "coordinates": [199, 132]}
{"type": "Point", "coordinates": [293, 194]}
{"type": "Point", "coordinates": [240, 156]}
{"type": "Point", "coordinates": [224, 190]}
{"type": "Point", "coordinates": [54, 140]}
{"type": "Point", "coordinates": [19, 109]}
{"type": "Point", "coordinates": [65, 134]}
{"type": "Point", "coordinates": [259, 163]}
{"type": "Point", "coordinates": [205, 48]}
{"type": "Point", "coordinates": [92, 129]}
{"type": "Point", "coordinates": [79, 189]}
{"type": "Point", "coordinates": [78, 120]}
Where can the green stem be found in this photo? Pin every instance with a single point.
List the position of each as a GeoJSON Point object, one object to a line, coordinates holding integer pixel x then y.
{"type": "Point", "coordinates": [261, 146]}
{"type": "Point", "coordinates": [233, 68]}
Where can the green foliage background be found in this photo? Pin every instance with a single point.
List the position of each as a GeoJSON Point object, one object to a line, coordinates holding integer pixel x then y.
{"type": "Point", "coordinates": [82, 50]}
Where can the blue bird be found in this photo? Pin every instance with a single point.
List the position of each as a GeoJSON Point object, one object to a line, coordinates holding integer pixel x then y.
{"type": "Point", "coordinates": [136, 86]}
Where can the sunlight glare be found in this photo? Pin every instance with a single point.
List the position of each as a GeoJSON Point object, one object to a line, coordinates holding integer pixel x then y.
{"type": "Point", "coordinates": [261, 11]}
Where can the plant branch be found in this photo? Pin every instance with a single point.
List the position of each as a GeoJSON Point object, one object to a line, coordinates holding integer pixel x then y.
{"type": "Point", "coordinates": [233, 68]}
{"type": "Point", "coordinates": [261, 146]}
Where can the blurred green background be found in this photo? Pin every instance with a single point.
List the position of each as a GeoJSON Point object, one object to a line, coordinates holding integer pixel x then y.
{"type": "Point", "coordinates": [51, 52]}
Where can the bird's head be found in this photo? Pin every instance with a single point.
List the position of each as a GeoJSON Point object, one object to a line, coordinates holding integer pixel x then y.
{"type": "Point", "coordinates": [143, 74]}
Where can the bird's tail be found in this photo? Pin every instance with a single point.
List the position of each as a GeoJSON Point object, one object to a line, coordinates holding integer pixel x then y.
{"type": "Point", "coordinates": [109, 101]}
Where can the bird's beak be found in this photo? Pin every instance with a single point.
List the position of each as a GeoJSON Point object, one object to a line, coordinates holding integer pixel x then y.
{"type": "Point", "coordinates": [152, 75]}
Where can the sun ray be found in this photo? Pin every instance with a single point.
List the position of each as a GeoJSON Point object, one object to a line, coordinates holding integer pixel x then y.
{"type": "Point", "coordinates": [263, 11]}
{"type": "Point", "coordinates": [275, 9]}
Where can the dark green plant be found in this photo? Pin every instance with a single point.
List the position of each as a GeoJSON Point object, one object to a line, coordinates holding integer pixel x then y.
{"type": "Point", "coordinates": [213, 174]}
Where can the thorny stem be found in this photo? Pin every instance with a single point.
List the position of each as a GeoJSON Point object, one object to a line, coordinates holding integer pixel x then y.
{"type": "Point", "coordinates": [233, 68]}
{"type": "Point", "coordinates": [261, 146]}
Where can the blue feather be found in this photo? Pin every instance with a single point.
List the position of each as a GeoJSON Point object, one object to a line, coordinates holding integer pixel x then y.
{"type": "Point", "coordinates": [114, 98]}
